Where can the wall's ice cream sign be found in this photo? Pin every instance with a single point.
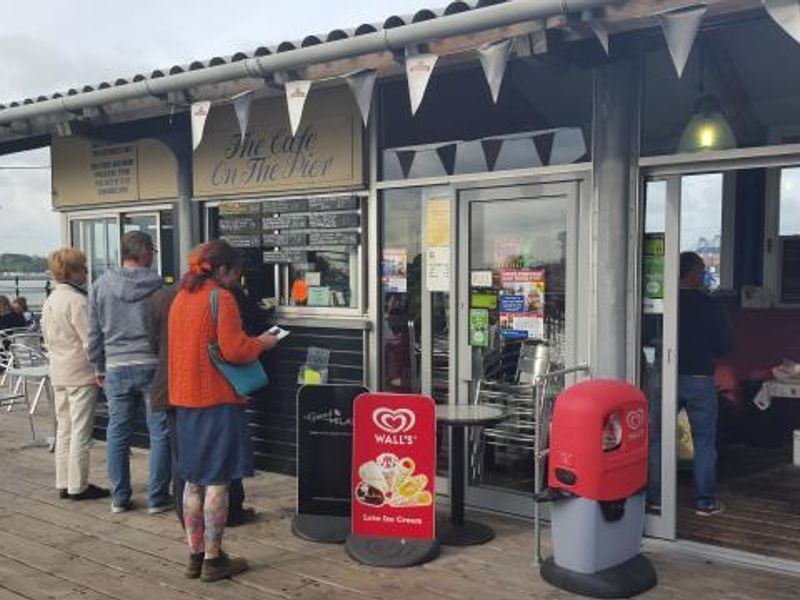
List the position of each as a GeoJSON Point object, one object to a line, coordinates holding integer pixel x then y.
{"type": "Point", "coordinates": [394, 466]}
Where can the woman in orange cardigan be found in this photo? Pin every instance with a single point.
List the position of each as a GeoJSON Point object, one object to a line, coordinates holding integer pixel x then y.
{"type": "Point", "coordinates": [210, 416]}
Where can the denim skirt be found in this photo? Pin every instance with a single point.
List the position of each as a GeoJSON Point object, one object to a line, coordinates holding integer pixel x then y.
{"type": "Point", "coordinates": [214, 444]}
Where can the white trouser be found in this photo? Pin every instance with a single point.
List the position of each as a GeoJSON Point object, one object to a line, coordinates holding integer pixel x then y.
{"type": "Point", "coordinates": [75, 420]}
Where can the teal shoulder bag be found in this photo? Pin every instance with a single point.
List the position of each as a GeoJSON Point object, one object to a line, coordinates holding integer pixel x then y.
{"type": "Point", "coordinates": [246, 378]}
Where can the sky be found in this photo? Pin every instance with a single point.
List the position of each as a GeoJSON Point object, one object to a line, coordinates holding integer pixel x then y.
{"type": "Point", "coordinates": [52, 45]}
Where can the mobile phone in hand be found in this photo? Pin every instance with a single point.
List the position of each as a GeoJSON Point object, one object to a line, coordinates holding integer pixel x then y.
{"type": "Point", "coordinates": [278, 332]}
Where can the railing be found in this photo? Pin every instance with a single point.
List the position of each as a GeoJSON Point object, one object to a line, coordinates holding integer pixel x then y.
{"type": "Point", "coordinates": [35, 288]}
{"type": "Point", "coordinates": [544, 412]}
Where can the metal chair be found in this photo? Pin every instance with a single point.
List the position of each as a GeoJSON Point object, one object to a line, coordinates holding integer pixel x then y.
{"type": "Point", "coordinates": [514, 394]}
{"type": "Point", "coordinates": [30, 365]}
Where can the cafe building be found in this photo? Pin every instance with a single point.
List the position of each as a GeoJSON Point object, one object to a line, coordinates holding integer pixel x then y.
{"type": "Point", "coordinates": [492, 234]}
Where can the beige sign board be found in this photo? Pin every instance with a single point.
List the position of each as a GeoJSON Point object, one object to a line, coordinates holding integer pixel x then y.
{"type": "Point", "coordinates": [87, 173]}
{"type": "Point", "coordinates": [325, 153]}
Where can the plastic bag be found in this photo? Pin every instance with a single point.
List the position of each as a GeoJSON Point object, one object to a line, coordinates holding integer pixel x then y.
{"type": "Point", "coordinates": [684, 437]}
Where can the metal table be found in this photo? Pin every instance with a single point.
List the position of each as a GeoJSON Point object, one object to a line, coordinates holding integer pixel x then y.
{"type": "Point", "coordinates": [459, 532]}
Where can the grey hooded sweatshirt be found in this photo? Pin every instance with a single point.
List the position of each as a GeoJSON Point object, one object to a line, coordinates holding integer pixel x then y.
{"type": "Point", "coordinates": [118, 311]}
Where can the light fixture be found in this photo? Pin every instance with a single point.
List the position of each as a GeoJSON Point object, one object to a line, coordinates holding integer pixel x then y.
{"type": "Point", "coordinates": [707, 129]}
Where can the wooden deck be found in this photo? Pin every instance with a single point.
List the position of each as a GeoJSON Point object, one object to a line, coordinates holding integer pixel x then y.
{"type": "Point", "coordinates": [55, 549]}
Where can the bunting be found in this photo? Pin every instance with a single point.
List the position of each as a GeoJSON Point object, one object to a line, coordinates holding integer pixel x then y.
{"type": "Point", "coordinates": [494, 59]}
{"type": "Point", "coordinates": [199, 111]}
{"type": "Point", "coordinates": [785, 13]}
{"type": "Point", "coordinates": [296, 95]}
{"type": "Point", "coordinates": [362, 85]}
{"type": "Point", "coordinates": [241, 106]}
{"type": "Point", "coordinates": [419, 69]}
{"type": "Point", "coordinates": [680, 30]}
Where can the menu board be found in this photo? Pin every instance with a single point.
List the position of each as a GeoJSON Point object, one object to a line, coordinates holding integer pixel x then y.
{"type": "Point", "coordinates": [237, 225]}
{"type": "Point", "coordinates": [285, 222]}
{"type": "Point", "coordinates": [243, 241]}
{"type": "Point", "coordinates": [279, 206]}
{"type": "Point", "coordinates": [291, 238]}
{"type": "Point", "coordinates": [337, 203]}
{"type": "Point", "coordinates": [333, 238]}
{"type": "Point", "coordinates": [333, 220]}
{"type": "Point", "coordinates": [291, 230]}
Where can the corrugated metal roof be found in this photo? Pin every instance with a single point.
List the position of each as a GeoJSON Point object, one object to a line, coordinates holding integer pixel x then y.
{"type": "Point", "coordinates": [310, 40]}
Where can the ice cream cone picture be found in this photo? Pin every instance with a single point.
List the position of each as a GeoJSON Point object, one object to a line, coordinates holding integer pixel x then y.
{"type": "Point", "coordinates": [391, 481]}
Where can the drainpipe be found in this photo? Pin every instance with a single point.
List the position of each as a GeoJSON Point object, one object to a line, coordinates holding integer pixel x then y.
{"type": "Point", "coordinates": [489, 17]}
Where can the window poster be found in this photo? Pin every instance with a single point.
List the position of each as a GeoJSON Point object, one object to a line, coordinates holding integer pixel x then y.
{"type": "Point", "coordinates": [394, 270]}
{"type": "Point", "coordinates": [653, 273]}
{"type": "Point", "coordinates": [521, 303]}
{"type": "Point", "coordinates": [479, 327]}
{"type": "Point", "coordinates": [438, 269]}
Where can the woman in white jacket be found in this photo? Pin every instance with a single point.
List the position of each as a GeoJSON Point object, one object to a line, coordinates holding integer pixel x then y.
{"type": "Point", "coordinates": [64, 327]}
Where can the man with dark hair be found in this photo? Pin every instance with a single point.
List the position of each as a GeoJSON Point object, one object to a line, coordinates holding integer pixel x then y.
{"type": "Point", "coordinates": [704, 335]}
{"type": "Point", "coordinates": [125, 364]}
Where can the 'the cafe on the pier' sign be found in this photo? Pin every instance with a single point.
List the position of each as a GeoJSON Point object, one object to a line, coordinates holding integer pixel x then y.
{"type": "Point", "coordinates": [394, 466]}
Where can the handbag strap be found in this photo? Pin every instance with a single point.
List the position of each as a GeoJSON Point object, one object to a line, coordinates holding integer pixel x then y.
{"type": "Point", "coordinates": [214, 300]}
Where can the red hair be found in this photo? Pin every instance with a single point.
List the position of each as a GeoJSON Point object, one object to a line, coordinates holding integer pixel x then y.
{"type": "Point", "coordinates": [205, 262]}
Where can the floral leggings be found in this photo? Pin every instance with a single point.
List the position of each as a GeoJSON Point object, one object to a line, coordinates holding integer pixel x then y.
{"type": "Point", "coordinates": [205, 512]}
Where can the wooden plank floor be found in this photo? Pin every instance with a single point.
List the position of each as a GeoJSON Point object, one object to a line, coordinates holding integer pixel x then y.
{"type": "Point", "coordinates": [63, 550]}
{"type": "Point", "coordinates": [762, 504]}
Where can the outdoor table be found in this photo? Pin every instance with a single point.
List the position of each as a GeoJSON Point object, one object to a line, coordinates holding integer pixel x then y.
{"type": "Point", "coordinates": [459, 532]}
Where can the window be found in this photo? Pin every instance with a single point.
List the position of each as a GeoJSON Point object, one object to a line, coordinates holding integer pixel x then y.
{"type": "Point", "coordinates": [298, 252]}
{"type": "Point", "coordinates": [788, 239]}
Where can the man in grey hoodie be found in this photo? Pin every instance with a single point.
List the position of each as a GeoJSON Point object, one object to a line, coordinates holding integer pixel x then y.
{"type": "Point", "coordinates": [125, 364]}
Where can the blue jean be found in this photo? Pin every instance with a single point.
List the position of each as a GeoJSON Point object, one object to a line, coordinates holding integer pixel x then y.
{"type": "Point", "coordinates": [126, 388]}
{"type": "Point", "coordinates": [698, 396]}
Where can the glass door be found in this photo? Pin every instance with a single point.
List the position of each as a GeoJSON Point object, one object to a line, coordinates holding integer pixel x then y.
{"type": "Point", "coordinates": [682, 213]}
{"type": "Point", "coordinates": [98, 238]}
{"type": "Point", "coordinates": [416, 298]}
{"type": "Point", "coordinates": [517, 319]}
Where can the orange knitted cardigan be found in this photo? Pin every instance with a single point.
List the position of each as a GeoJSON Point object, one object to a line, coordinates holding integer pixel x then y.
{"type": "Point", "coordinates": [193, 380]}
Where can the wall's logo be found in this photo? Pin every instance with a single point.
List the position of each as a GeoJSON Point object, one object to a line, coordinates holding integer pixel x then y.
{"type": "Point", "coordinates": [635, 419]}
{"type": "Point", "coordinates": [393, 421]}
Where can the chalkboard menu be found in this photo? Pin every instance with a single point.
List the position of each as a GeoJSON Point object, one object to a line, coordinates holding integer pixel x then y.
{"type": "Point", "coordinates": [238, 224]}
{"type": "Point", "coordinates": [285, 239]}
{"type": "Point", "coordinates": [287, 230]}
{"type": "Point", "coordinates": [333, 221]}
{"type": "Point", "coordinates": [337, 203]}
{"type": "Point", "coordinates": [333, 238]}
{"type": "Point", "coordinates": [239, 208]}
{"type": "Point", "coordinates": [294, 205]}
{"type": "Point", "coordinates": [285, 222]}
{"type": "Point", "coordinates": [243, 241]}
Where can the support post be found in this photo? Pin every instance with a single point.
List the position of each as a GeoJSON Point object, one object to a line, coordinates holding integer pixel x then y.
{"type": "Point", "coordinates": [615, 156]}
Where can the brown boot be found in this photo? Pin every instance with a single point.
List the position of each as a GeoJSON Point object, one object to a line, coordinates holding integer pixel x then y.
{"type": "Point", "coordinates": [221, 567]}
{"type": "Point", "coordinates": [194, 566]}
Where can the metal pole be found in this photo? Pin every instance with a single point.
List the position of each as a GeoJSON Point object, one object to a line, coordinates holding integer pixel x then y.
{"type": "Point", "coordinates": [487, 17]}
{"type": "Point", "coordinates": [614, 178]}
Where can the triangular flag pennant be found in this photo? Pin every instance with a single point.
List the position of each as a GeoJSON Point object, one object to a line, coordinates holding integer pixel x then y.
{"type": "Point", "coordinates": [785, 13]}
{"type": "Point", "coordinates": [200, 112]}
{"type": "Point", "coordinates": [680, 29]}
{"type": "Point", "coordinates": [296, 94]}
{"type": "Point", "coordinates": [601, 33]}
{"type": "Point", "coordinates": [361, 85]}
{"type": "Point", "coordinates": [544, 146]}
{"type": "Point", "coordinates": [494, 58]}
{"type": "Point", "coordinates": [241, 105]}
{"type": "Point", "coordinates": [418, 71]}
{"type": "Point", "coordinates": [447, 154]}
{"type": "Point", "coordinates": [491, 150]}
{"type": "Point", "coordinates": [406, 158]}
